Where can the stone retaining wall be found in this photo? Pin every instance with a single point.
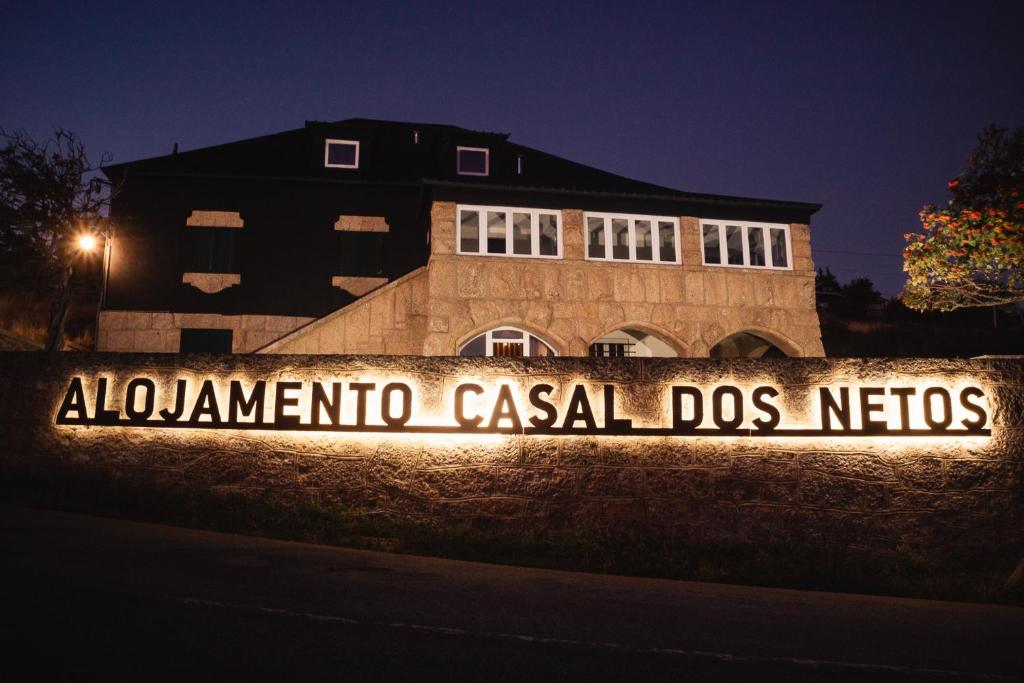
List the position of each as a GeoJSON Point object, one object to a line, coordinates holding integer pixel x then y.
{"type": "Point", "coordinates": [879, 495]}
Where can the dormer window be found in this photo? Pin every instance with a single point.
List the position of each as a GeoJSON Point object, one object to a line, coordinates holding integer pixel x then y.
{"type": "Point", "coordinates": [473, 160]}
{"type": "Point", "coordinates": [341, 154]}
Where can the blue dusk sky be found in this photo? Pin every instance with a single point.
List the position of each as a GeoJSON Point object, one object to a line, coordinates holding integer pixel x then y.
{"type": "Point", "coordinates": [865, 107]}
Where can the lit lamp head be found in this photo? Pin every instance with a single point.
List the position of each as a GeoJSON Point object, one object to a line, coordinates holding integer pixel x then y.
{"type": "Point", "coordinates": [87, 243]}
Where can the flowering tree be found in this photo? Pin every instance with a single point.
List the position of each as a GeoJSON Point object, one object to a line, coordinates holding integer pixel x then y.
{"type": "Point", "coordinates": [971, 253]}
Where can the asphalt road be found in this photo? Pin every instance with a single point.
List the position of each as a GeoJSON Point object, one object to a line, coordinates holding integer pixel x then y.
{"type": "Point", "coordinates": [86, 598]}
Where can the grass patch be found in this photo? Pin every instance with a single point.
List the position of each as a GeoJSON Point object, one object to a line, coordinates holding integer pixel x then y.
{"type": "Point", "coordinates": [966, 575]}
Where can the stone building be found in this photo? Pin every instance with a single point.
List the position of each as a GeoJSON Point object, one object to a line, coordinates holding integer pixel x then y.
{"type": "Point", "coordinates": [376, 237]}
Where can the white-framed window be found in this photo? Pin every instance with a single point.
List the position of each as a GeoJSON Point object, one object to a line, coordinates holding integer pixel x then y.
{"type": "Point", "coordinates": [744, 244]}
{"type": "Point", "coordinates": [508, 231]}
{"type": "Point", "coordinates": [472, 160]}
{"type": "Point", "coordinates": [629, 237]}
{"type": "Point", "coordinates": [341, 153]}
{"type": "Point", "coordinates": [507, 342]}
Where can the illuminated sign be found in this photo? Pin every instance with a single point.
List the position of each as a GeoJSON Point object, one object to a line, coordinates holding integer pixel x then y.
{"type": "Point", "coordinates": [518, 406]}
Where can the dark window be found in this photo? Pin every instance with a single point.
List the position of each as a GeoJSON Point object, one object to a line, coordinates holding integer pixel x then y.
{"type": "Point", "coordinates": [620, 238]}
{"type": "Point", "coordinates": [755, 246]}
{"type": "Point", "coordinates": [213, 250]}
{"type": "Point", "coordinates": [667, 236]}
{"type": "Point", "coordinates": [473, 160]}
{"type": "Point", "coordinates": [712, 246]}
{"type": "Point", "coordinates": [734, 244]}
{"type": "Point", "coordinates": [470, 234]}
{"type": "Point", "coordinates": [497, 232]}
{"type": "Point", "coordinates": [362, 254]}
{"type": "Point", "coordinates": [477, 346]}
{"type": "Point", "coordinates": [595, 242]}
{"type": "Point", "coordinates": [205, 341]}
{"type": "Point", "coordinates": [548, 234]}
{"type": "Point", "coordinates": [644, 241]}
{"type": "Point", "coordinates": [779, 252]}
{"type": "Point", "coordinates": [342, 154]}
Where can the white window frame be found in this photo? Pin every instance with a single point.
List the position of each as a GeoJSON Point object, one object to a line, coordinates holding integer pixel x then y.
{"type": "Point", "coordinates": [489, 341]}
{"type": "Point", "coordinates": [327, 153]}
{"type": "Point", "coordinates": [632, 218]}
{"type": "Point", "coordinates": [745, 226]}
{"type": "Point", "coordinates": [508, 211]}
{"type": "Point", "coordinates": [487, 160]}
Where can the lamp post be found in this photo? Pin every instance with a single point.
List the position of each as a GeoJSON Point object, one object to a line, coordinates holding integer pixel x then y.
{"type": "Point", "coordinates": [85, 243]}
{"type": "Point", "coordinates": [108, 243]}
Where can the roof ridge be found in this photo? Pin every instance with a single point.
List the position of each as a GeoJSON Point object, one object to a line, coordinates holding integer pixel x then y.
{"type": "Point", "coordinates": [392, 122]}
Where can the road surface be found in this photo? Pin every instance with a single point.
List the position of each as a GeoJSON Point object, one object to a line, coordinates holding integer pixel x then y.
{"type": "Point", "coordinates": [87, 598]}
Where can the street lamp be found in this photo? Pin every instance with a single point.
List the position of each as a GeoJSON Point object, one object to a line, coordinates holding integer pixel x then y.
{"type": "Point", "coordinates": [87, 242]}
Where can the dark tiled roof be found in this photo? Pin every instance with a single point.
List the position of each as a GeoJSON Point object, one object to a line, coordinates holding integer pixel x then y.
{"type": "Point", "coordinates": [393, 152]}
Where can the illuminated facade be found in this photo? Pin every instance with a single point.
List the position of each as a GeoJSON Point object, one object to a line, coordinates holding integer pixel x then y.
{"type": "Point", "coordinates": [373, 237]}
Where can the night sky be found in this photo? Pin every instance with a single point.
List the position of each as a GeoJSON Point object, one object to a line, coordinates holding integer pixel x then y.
{"type": "Point", "coordinates": [868, 108]}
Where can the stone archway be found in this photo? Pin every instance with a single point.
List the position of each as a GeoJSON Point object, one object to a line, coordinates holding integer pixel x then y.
{"type": "Point", "coordinates": [506, 340]}
{"type": "Point", "coordinates": [639, 341]}
{"type": "Point", "coordinates": [753, 344]}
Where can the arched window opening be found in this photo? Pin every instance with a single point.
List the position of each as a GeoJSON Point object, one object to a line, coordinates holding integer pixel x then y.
{"type": "Point", "coordinates": [509, 342]}
{"type": "Point", "coordinates": [746, 345]}
{"type": "Point", "coordinates": [628, 343]}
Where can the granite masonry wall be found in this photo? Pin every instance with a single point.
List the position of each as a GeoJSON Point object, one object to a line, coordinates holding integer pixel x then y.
{"type": "Point", "coordinates": [160, 331]}
{"type": "Point", "coordinates": [572, 302]}
{"type": "Point", "coordinates": [877, 494]}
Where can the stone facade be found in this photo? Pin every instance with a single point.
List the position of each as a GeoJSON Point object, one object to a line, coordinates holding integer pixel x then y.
{"type": "Point", "coordinates": [215, 219]}
{"type": "Point", "coordinates": [390, 320]}
{"type": "Point", "coordinates": [571, 302]}
{"type": "Point", "coordinates": [160, 331]}
{"type": "Point", "coordinates": [356, 285]}
{"type": "Point", "coordinates": [211, 283]}
{"type": "Point", "coordinates": [361, 224]}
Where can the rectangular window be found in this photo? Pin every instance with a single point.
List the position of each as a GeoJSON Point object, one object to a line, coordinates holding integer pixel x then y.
{"type": "Point", "coordinates": [205, 341]}
{"type": "Point", "coordinates": [780, 252]}
{"type": "Point", "coordinates": [362, 254]}
{"type": "Point", "coordinates": [595, 239]}
{"type": "Point", "coordinates": [469, 232]}
{"type": "Point", "coordinates": [632, 238]}
{"type": "Point", "coordinates": [620, 239]}
{"type": "Point", "coordinates": [667, 241]}
{"type": "Point", "coordinates": [755, 245]}
{"type": "Point", "coordinates": [644, 242]}
{"type": "Point", "coordinates": [712, 246]}
{"type": "Point", "coordinates": [521, 242]}
{"type": "Point", "coordinates": [548, 224]}
{"type": "Point", "coordinates": [510, 231]}
{"type": "Point", "coordinates": [734, 245]}
{"type": "Point", "coordinates": [745, 244]}
{"type": "Point", "coordinates": [213, 250]}
{"type": "Point", "coordinates": [497, 232]}
{"type": "Point", "coordinates": [473, 160]}
{"type": "Point", "coordinates": [341, 153]}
